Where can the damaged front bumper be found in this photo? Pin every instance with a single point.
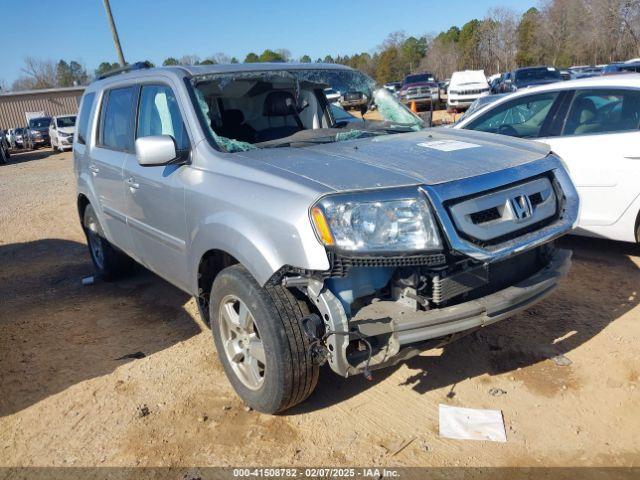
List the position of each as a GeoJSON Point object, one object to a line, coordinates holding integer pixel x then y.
{"type": "Point", "coordinates": [400, 333]}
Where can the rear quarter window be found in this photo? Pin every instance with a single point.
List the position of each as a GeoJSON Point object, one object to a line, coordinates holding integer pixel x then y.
{"type": "Point", "coordinates": [83, 121]}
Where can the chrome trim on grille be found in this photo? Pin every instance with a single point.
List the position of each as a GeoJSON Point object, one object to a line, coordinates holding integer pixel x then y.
{"type": "Point", "coordinates": [441, 194]}
{"type": "Point", "coordinates": [513, 209]}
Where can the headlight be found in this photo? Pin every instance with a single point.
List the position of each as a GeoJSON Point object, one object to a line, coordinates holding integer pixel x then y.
{"type": "Point", "coordinates": [364, 223]}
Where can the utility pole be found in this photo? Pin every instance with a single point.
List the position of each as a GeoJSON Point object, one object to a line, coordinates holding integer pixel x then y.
{"type": "Point", "coordinates": [114, 32]}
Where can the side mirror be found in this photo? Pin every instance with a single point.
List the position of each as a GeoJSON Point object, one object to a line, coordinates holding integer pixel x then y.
{"type": "Point", "coordinates": [156, 150]}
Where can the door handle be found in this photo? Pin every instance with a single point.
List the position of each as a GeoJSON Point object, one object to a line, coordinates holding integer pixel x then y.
{"type": "Point", "coordinates": [131, 182]}
{"type": "Point", "coordinates": [633, 157]}
{"type": "Point", "coordinates": [93, 169]}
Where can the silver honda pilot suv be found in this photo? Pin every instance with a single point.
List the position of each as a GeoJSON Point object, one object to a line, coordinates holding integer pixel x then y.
{"type": "Point", "coordinates": [309, 235]}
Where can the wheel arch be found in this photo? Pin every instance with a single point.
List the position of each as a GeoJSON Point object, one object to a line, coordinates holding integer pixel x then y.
{"type": "Point", "coordinates": [211, 263]}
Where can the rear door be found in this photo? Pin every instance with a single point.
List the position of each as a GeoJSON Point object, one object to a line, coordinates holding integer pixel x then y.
{"type": "Point", "coordinates": [600, 142]}
{"type": "Point", "coordinates": [114, 145]}
{"type": "Point", "coordinates": [154, 195]}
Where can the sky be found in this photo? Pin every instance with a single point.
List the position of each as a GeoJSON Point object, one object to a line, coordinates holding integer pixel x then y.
{"type": "Point", "coordinates": [157, 29]}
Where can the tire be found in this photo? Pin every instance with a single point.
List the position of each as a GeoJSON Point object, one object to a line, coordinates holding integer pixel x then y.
{"type": "Point", "coordinates": [110, 263]}
{"type": "Point", "coordinates": [288, 374]}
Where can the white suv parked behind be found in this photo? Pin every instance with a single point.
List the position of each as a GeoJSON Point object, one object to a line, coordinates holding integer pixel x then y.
{"type": "Point", "coordinates": [61, 132]}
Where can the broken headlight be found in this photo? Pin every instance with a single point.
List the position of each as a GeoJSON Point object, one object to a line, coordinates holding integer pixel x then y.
{"type": "Point", "coordinates": [377, 222]}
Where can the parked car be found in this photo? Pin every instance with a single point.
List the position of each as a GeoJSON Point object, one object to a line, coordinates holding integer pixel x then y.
{"type": "Point", "coordinates": [393, 87]}
{"type": "Point", "coordinates": [37, 133]}
{"type": "Point", "coordinates": [354, 99]}
{"type": "Point", "coordinates": [421, 89]}
{"type": "Point", "coordinates": [443, 86]}
{"type": "Point", "coordinates": [61, 132]}
{"type": "Point", "coordinates": [585, 71]}
{"type": "Point", "coordinates": [306, 241]}
{"type": "Point", "coordinates": [529, 77]}
{"type": "Point", "coordinates": [465, 88]}
{"type": "Point", "coordinates": [333, 96]}
{"type": "Point", "coordinates": [18, 136]}
{"type": "Point", "coordinates": [11, 138]}
{"type": "Point", "coordinates": [614, 68]}
{"type": "Point", "coordinates": [4, 148]}
{"type": "Point", "coordinates": [592, 124]}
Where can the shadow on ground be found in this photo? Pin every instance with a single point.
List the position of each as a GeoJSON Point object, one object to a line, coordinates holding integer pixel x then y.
{"type": "Point", "coordinates": [22, 156]}
{"type": "Point", "coordinates": [602, 286]}
{"type": "Point", "coordinates": [55, 332]}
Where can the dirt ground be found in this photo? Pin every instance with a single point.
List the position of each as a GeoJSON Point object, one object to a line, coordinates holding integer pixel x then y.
{"type": "Point", "coordinates": [69, 395]}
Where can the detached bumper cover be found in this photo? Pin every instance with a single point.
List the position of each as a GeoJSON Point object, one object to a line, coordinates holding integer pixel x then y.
{"type": "Point", "coordinates": [404, 327]}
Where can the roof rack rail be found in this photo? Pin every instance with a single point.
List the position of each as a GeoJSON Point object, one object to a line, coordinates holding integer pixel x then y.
{"type": "Point", "coordinates": [125, 69]}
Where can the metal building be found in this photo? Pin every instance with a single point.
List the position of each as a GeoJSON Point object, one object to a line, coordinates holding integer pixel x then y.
{"type": "Point", "coordinates": [53, 101]}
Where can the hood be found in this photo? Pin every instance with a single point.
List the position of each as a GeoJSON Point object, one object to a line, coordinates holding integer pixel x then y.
{"type": "Point", "coordinates": [400, 159]}
{"type": "Point", "coordinates": [67, 130]}
{"type": "Point", "coordinates": [467, 77]}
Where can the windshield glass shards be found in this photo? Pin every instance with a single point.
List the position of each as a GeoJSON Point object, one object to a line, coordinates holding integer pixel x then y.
{"type": "Point", "coordinates": [298, 107]}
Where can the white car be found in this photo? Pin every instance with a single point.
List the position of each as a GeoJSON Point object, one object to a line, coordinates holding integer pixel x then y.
{"type": "Point", "coordinates": [593, 124]}
{"type": "Point", "coordinates": [465, 88]}
{"type": "Point", "coordinates": [61, 132]}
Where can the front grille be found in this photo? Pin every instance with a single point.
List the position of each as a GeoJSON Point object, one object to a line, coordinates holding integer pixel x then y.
{"type": "Point", "coordinates": [493, 216]}
{"type": "Point", "coordinates": [340, 264]}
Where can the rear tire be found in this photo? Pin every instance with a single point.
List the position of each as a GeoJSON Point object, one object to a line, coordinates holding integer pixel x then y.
{"type": "Point", "coordinates": [243, 315]}
{"type": "Point", "coordinates": [109, 262]}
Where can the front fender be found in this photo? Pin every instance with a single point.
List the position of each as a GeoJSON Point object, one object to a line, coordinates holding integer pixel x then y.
{"type": "Point", "coordinates": [262, 248]}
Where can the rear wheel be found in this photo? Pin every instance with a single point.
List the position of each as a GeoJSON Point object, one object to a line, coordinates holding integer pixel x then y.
{"type": "Point", "coordinates": [110, 262]}
{"type": "Point", "coordinates": [260, 342]}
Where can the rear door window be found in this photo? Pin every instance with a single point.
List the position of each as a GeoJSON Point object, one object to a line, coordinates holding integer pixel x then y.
{"type": "Point", "coordinates": [116, 130]}
{"type": "Point", "coordinates": [603, 111]}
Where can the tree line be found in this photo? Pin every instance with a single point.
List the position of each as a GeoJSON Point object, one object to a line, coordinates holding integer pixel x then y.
{"type": "Point", "coordinates": [559, 33]}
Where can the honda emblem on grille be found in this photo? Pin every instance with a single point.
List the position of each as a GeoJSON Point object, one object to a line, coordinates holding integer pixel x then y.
{"type": "Point", "coordinates": [521, 207]}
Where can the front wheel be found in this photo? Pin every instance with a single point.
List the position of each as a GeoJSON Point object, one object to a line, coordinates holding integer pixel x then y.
{"type": "Point", "coordinates": [260, 342]}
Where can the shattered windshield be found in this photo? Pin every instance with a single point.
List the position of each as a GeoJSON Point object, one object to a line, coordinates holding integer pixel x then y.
{"type": "Point", "coordinates": [289, 108]}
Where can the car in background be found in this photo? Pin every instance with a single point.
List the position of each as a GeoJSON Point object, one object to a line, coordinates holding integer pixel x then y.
{"type": "Point", "coordinates": [465, 88]}
{"type": "Point", "coordinates": [593, 124]}
{"type": "Point", "coordinates": [530, 77]}
{"type": "Point", "coordinates": [37, 133]}
{"type": "Point", "coordinates": [443, 86]}
{"type": "Point", "coordinates": [18, 137]}
{"type": "Point", "coordinates": [61, 132]}
{"type": "Point", "coordinates": [420, 88]}
{"type": "Point", "coordinates": [354, 100]}
{"type": "Point", "coordinates": [4, 148]}
{"type": "Point", "coordinates": [333, 95]}
{"type": "Point", "coordinates": [619, 67]}
{"type": "Point", "coordinates": [11, 137]}
{"type": "Point", "coordinates": [585, 71]}
{"type": "Point", "coordinates": [393, 87]}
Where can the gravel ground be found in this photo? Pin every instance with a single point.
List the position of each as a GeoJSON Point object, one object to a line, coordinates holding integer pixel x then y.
{"type": "Point", "coordinates": [71, 393]}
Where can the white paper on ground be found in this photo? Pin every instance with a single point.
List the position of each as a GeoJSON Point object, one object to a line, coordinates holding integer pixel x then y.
{"type": "Point", "coordinates": [471, 424]}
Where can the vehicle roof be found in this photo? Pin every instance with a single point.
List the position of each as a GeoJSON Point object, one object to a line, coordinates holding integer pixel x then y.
{"type": "Point", "coordinates": [195, 70]}
{"type": "Point", "coordinates": [616, 80]}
